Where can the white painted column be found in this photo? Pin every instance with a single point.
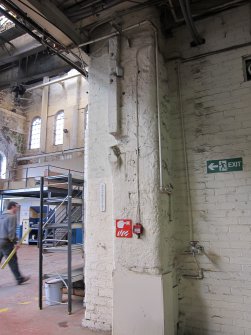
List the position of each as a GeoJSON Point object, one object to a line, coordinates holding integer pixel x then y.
{"type": "Point", "coordinates": [44, 115]}
{"type": "Point", "coordinates": [117, 269]}
{"type": "Point", "coordinates": [128, 284]}
{"type": "Point", "coordinates": [98, 223]}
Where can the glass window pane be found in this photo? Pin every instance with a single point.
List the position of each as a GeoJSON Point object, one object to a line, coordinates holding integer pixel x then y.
{"type": "Point", "coordinates": [59, 127]}
{"type": "Point", "coordinates": [3, 166]}
{"type": "Point", "coordinates": [35, 134]}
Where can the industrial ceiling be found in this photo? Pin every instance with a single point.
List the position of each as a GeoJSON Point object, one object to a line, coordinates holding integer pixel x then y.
{"type": "Point", "coordinates": [46, 35]}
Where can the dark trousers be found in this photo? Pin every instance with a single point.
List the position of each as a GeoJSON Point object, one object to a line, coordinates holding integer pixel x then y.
{"type": "Point", "coordinates": [6, 248]}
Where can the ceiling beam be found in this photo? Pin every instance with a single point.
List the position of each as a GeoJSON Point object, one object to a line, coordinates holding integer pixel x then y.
{"type": "Point", "coordinates": [33, 68]}
{"type": "Point", "coordinates": [10, 34]}
{"type": "Point", "coordinates": [49, 16]}
{"type": "Point", "coordinates": [38, 33]}
{"type": "Point", "coordinates": [19, 48]}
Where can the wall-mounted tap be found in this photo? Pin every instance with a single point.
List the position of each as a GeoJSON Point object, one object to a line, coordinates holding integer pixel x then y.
{"type": "Point", "coordinates": [196, 248]}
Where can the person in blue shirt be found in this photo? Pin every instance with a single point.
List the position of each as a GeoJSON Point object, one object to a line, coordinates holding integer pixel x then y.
{"type": "Point", "coordinates": [8, 240]}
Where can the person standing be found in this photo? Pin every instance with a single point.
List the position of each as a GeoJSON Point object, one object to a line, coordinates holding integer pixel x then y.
{"type": "Point", "coordinates": [8, 240]}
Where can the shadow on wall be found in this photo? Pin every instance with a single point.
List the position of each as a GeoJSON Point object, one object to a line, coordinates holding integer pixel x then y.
{"type": "Point", "coordinates": [191, 303]}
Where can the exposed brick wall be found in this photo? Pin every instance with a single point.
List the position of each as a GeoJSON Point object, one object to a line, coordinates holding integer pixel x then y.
{"type": "Point", "coordinates": [98, 225]}
{"type": "Point", "coordinates": [216, 103]}
{"type": "Point", "coordinates": [12, 135]}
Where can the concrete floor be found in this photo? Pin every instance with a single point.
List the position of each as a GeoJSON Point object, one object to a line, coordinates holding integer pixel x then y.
{"type": "Point", "coordinates": [19, 312]}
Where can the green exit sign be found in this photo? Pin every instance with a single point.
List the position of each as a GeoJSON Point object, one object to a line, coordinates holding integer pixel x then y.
{"type": "Point", "coordinates": [225, 165]}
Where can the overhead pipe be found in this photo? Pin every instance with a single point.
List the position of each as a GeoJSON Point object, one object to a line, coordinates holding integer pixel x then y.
{"type": "Point", "coordinates": [200, 39]}
{"type": "Point", "coordinates": [121, 13]}
{"type": "Point", "coordinates": [186, 11]}
{"type": "Point", "coordinates": [208, 12]}
{"type": "Point", "coordinates": [172, 9]}
{"type": "Point", "coordinates": [115, 33]}
{"type": "Point", "coordinates": [54, 82]}
{"type": "Point", "coordinates": [56, 153]}
{"type": "Point", "coordinates": [86, 11]}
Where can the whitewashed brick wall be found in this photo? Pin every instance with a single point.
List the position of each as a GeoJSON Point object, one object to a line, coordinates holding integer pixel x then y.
{"type": "Point", "coordinates": [106, 255]}
{"type": "Point", "coordinates": [98, 225]}
{"type": "Point", "coordinates": [217, 113]}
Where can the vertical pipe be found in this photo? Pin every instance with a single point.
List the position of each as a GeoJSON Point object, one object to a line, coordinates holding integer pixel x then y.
{"type": "Point", "coordinates": [186, 11]}
{"type": "Point", "coordinates": [69, 243]}
{"type": "Point", "coordinates": [40, 243]}
{"type": "Point", "coordinates": [1, 204]}
{"type": "Point", "coordinates": [8, 185]}
{"type": "Point", "coordinates": [138, 217]}
{"type": "Point", "coordinates": [26, 178]}
{"type": "Point", "coordinates": [158, 106]}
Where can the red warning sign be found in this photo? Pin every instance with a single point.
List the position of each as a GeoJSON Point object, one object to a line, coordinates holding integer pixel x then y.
{"type": "Point", "coordinates": [124, 228]}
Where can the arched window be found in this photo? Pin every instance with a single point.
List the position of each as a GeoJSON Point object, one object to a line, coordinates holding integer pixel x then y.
{"type": "Point", "coordinates": [35, 133]}
{"type": "Point", "coordinates": [3, 165]}
{"type": "Point", "coordinates": [59, 128]}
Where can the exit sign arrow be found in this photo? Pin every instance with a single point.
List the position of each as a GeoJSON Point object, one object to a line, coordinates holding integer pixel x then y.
{"type": "Point", "coordinates": [212, 166]}
{"type": "Point", "coordinates": [225, 165]}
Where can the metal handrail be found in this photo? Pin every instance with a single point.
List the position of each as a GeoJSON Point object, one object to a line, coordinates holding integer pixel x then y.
{"type": "Point", "coordinates": [40, 166]}
{"type": "Point", "coordinates": [27, 169]}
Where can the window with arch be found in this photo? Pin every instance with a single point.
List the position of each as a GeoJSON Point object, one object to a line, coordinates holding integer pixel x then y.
{"type": "Point", "coordinates": [59, 128]}
{"type": "Point", "coordinates": [35, 133]}
{"type": "Point", "coordinates": [3, 165]}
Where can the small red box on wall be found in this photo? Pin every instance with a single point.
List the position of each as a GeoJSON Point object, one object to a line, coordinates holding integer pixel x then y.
{"type": "Point", "coordinates": [124, 228]}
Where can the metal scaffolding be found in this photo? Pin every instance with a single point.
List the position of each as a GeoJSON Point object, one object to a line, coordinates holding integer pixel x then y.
{"type": "Point", "coordinates": [46, 244]}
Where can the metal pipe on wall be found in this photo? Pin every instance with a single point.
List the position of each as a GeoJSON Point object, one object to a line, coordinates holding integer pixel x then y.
{"type": "Point", "coordinates": [56, 153]}
{"type": "Point", "coordinates": [115, 33]}
{"type": "Point", "coordinates": [53, 82]}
